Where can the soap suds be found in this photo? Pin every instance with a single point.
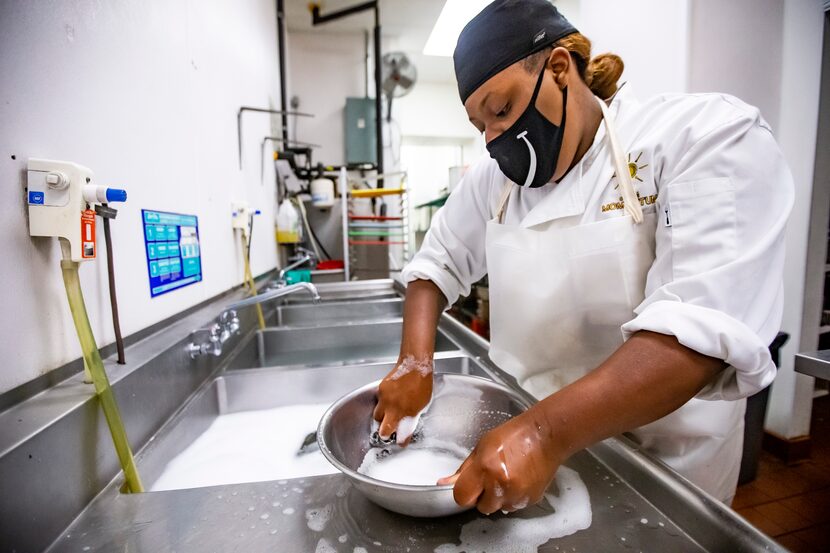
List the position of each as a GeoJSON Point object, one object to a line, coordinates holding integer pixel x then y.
{"type": "Point", "coordinates": [318, 518]}
{"type": "Point", "coordinates": [323, 546]}
{"type": "Point", "coordinates": [407, 426]}
{"type": "Point", "coordinates": [514, 534]}
{"type": "Point", "coordinates": [420, 464]}
{"type": "Point", "coordinates": [409, 364]}
{"type": "Point", "coordinates": [249, 446]}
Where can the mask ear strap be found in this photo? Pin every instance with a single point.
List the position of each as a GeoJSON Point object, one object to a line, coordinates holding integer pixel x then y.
{"type": "Point", "coordinates": [538, 87]}
{"type": "Point", "coordinates": [564, 106]}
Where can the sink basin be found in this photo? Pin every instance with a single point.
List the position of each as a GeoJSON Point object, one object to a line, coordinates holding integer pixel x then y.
{"type": "Point", "coordinates": [253, 392]}
{"type": "Point", "coordinates": [328, 344]}
{"type": "Point", "coordinates": [336, 312]}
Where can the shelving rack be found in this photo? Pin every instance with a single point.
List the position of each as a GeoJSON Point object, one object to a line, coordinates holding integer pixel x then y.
{"type": "Point", "coordinates": [365, 228]}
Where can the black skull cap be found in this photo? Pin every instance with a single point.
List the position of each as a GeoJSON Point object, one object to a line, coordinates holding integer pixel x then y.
{"type": "Point", "coordinates": [503, 33]}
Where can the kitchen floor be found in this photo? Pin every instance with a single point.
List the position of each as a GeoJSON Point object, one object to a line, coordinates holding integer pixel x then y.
{"type": "Point", "coordinates": [792, 503]}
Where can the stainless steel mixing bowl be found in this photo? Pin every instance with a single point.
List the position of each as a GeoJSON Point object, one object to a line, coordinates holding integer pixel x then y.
{"type": "Point", "coordinates": [463, 408]}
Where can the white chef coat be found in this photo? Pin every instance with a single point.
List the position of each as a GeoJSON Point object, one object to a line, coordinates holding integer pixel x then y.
{"type": "Point", "coordinates": [709, 166]}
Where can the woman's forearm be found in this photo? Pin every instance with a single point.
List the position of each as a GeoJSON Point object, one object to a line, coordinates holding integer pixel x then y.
{"type": "Point", "coordinates": [422, 308]}
{"type": "Point", "coordinates": [647, 378]}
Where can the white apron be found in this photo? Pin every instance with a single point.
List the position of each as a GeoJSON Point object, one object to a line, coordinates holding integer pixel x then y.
{"type": "Point", "coordinates": [558, 296]}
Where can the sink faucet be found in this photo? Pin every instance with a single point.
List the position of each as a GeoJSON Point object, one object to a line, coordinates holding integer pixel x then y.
{"type": "Point", "coordinates": [211, 339]}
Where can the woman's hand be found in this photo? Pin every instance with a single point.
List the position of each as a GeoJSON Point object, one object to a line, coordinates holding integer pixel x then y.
{"type": "Point", "coordinates": [402, 395]}
{"type": "Point", "coordinates": [510, 468]}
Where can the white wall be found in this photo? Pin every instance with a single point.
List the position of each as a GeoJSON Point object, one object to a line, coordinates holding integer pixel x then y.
{"type": "Point", "coordinates": [323, 70]}
{"type": "Point", "coordinates": [144, 93]}
{"type": "Point", "coordinates": [649, 35]}
{"type": "Point", "coordinates": [735, 47]}
{"type": "Point", "coordinates": [434, 110]}
{"type": "Point", "coordinates": [788, 414]}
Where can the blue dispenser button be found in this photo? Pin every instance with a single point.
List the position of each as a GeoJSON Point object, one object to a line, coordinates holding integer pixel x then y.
{"type": "Point", "coordinates": [116, 195]}
{"type": "Point", "coordinates": [36, 198]}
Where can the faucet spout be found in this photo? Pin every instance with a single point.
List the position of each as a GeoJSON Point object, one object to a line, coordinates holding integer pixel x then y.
{"type": "Point", "coordinates": [210, 340]}
{"type": "Point", "coordinates": [302, 261]}
{"type": "Point", "coordinates": [277, 293]}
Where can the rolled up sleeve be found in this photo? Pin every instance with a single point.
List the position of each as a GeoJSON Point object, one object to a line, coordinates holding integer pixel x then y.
{"type": "Point", "coordinates": [452, 255]}
{"type": "Point", "coordinates": [717, 280]}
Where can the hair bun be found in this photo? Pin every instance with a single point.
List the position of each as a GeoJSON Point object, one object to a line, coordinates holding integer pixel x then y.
{"type": "Point", "coordinates": [602, 74]}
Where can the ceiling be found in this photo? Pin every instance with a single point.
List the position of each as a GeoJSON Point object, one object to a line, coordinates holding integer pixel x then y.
{"type": "Point", "coordinates": [405, 23]}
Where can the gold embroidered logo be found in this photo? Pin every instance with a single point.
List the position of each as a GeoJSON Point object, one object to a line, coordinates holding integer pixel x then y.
{"type": "Point", "coordinates": [620, 204]}
{"type": "Point", "coordinates": [634, 169]}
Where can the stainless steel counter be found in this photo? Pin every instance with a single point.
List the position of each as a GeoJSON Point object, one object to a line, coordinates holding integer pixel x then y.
{"type": "Point", "coordinates": [272, 516]}
{"type": "Point", "coordinates": [816, 363]}
{"type": "Point", "coordinates": [637, 504]}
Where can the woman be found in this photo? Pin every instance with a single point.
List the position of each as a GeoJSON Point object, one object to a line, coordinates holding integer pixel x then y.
{"type": "Point", "coordinates": [635, 256]}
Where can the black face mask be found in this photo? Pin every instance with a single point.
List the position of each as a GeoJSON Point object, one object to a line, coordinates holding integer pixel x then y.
{"type": "Point", "coordinates": [527, 152]}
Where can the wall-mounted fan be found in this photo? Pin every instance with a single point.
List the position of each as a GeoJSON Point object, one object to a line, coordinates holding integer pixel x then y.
{"type": "Point", "coordinates": [398, 76]}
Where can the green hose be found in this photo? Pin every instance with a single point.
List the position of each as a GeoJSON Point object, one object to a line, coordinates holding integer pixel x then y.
{"type": "Point", "coordinates": [92, 359]}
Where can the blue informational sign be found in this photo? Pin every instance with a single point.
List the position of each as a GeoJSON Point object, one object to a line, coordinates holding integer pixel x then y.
{"type": "Point", "coordinates": [171, 244]}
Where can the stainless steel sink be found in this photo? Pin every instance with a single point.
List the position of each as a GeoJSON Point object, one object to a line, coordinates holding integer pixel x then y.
{"type": "Point", "coordinates": [327, 344]}
{"type": "Point", "coordinates": [336, 312]}
{"type": "Point", "coordinates": [268, 388]}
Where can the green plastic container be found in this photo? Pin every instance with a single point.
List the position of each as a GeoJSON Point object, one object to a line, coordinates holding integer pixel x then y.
{"type": "Point", "coordinates": [300, 275]}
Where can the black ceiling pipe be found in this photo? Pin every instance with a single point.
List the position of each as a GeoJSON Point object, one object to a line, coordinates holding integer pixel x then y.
{"type": "Point", "coordinates": [281, 46]}
{"type": "Point", "coordinates": [378, 100]}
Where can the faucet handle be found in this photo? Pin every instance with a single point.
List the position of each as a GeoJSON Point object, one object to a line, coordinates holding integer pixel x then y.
{"type": "Point", "coordinates": [233, 324]}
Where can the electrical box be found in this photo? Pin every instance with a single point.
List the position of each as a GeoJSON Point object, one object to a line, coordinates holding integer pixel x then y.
{"type": "Point", "coordinates": [360, 131]}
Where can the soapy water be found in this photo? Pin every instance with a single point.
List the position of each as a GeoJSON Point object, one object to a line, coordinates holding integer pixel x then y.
{"type": "Point", "coordinates": [249, 446]}
{"type": "Point", "coordinates": [518, 534]}
{"type": "Point", "coordinates": [416, 465]}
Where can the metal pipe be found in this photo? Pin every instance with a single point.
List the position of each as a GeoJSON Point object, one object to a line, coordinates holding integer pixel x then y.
{"type": "Point", "coordinates": [281, 47]}
{"type": "Point", "coordinates": [343, 181]}
{"type": "Point", "coordinates": [289, 141]}
{"type": "Point", "coordinates": [259, 110]}
{"type": "Point", "coordinates": [283, 141]}
{"type": "Point", "coordinates": [274, 294]}
{"type": "Point", "coordinates": [317, 19]}
{"type": "Point", "coordinates": [378, 100]}
{"type": "Point", "coordinates": [302, 261]}
{"type": "Point", "coordinates": [366, 62]}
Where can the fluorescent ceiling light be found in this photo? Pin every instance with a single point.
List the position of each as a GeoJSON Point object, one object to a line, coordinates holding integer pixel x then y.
{"type": "Point", "coordinates": [454, 15]}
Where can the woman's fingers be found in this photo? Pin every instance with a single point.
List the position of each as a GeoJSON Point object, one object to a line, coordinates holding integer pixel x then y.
{"type": "Point", "coordinates": [492, 499]}
{"type": "Point", "coordinates": [454, 477]}
{"type": "Point", "coordinates": [468, 486]}
{"type": "Point", "coordinates": [388, 425]}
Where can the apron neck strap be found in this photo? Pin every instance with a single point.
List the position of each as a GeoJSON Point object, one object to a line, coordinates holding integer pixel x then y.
{"type": "Point", "coordinates": [502, 205]}
{"type": "Point", "coordinates": [630, 199]}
